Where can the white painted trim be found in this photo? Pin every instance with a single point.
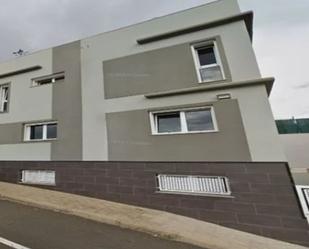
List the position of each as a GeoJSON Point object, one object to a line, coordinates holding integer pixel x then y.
{"type": "Point", "coordinates": [4, 96]}
{"type": "Point", "coordinates": [52, 77]}
{"type": "Point", "coordinates": [196, 60]}
{"type": "Point", "coordinates": [27, 130]}
{"type": "Point", "coordinates": [12, 244]}
{"type": "Point", "coordinates": [183, 122]}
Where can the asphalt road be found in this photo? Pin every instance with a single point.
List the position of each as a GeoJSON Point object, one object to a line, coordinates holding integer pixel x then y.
{"type": "Point", "coordinates": [41, 229]}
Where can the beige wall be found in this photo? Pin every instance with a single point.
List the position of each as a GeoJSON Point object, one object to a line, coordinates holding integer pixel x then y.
{"type": "Point", "coordinates": [66, 103]}
{"type": "Point", "coordinates": [296, 147]}
{"type": "Point", "coordinates": [157, 70]}
{"type": "Point", "coordinates": [130, 138]}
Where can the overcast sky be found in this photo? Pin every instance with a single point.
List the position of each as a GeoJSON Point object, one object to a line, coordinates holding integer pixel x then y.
{"type": "Point", "coordinates": [281, 34]}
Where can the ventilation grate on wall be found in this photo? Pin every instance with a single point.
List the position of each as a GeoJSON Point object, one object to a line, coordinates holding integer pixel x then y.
{"type": "Point", "coordinates": [39, 177]}
{"type": "Point", "coordinates": [212, 185]}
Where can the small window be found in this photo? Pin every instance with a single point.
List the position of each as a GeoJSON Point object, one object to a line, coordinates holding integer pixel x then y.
{"type": "Point", "coordinates": [40, 131]}
{"type": "Point", "coordinates": [188, 184]}
{"type": "Point", "coordinates": [40, 177]}
{"type": "Point", "coordinates": [48, 79]}
{"type": "Point", "coordinates": [208, 62]}
{"type": "Point", "coordinates": [4, 98]}
{"type": "Point", "coordinates": [183, 121]}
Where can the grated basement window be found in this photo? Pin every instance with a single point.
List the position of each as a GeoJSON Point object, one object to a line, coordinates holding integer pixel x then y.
{"type": "Point", "coordinates": [38, 177]}
{"type": "Point", "coordinates": [303, 195]}
{"type": "Point", "coordinates": [211, 185]}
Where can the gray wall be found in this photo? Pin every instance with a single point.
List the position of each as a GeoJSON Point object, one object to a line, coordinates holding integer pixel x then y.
{"type": "Point", "coordinates": [11, 133]}
{"type": "Point", "coordinates": [158, 70]}
{"type": "Point", "coordinates": [66, 103]}
{"type": "Point", "coordinates": [130, 139]}
{"type": "Point", "coordinates": [296, 147]}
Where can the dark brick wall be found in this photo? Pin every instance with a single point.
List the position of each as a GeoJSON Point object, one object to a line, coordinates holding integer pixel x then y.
{"type": "Point", "coordinates": [264, 200]}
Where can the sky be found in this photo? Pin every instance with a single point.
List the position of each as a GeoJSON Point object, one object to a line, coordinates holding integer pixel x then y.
{"type": "Point", "coordinates": [281, 35]}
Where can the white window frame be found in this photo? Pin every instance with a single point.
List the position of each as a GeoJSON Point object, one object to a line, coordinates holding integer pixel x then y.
{"type": "Point", "coordinates": [183, 122]}
{"type": "Point", "coordinates": [52, 77]}
{"type": "Point", "coordinates": [198, 66]}
{"type": "Point", "coordinates": [4, 100]}
{"type": "Point", "coordinates": [27, 131]}
{"type": "Point", "coordinates": [304, 200]}
{"type": "Point", "coordinates": [192, 188]}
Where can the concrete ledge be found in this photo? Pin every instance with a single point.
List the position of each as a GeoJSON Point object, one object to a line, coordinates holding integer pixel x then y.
{"type": "Point", "coordinates": [268, 82]}
{"type": "Point", "coordinates": [154, 222]}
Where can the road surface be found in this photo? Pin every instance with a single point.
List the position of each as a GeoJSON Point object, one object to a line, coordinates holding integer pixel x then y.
{"type": "Point", "coordinates": [35, 228]}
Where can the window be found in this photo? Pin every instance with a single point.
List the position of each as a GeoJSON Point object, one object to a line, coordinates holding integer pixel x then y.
{"type": "Point", "coordinates": [303, 195]}
{"type": "Point", "coordinates": [40, 131]}
{"type": "Point", "coordinates": [4, 98]}
{"type": "Point", "coordinates": [214, 185]}
{"type": "Point", "coordinates": [48, 79]}
{"type": "Point", "coordinates": [41, 177]}
{"type": "Point", "coordinates": [183, 121]}
{"type": "Point", "coordinates": [208, 63]}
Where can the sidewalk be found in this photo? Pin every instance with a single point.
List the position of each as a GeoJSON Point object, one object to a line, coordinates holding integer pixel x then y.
{"type": "Point", "coordinates": [156, 223]}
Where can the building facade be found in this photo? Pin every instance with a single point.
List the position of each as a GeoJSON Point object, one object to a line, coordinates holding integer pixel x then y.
{"type": "Point", "coordinates": [128, 94]}
{"type": "Point", "coordinates": [171, 114]}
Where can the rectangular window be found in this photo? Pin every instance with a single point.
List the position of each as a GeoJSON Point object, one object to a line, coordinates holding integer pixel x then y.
{"type": "Point", "coordinates": [4, 97]}
{"type": "Point", "coordinates": [211, 185]}
{"type": "Point", "coordinates": [194, 120]}
{"type": "Point", "coordinates": [48, 79]}
{"type": "Point", "coordinates": [40, 177]}
{"type": "Point", "coordinates": [208, 62]}
{"type": "Point", "coordinates": [40, 131]}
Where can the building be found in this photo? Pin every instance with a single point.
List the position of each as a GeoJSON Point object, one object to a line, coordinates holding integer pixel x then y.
{"type": "Point", "coordinates": [294, 134]}
{"type": "Point", "coordinates": [119, 95]}
{"type": "Point", "coordinates": [172, 105]}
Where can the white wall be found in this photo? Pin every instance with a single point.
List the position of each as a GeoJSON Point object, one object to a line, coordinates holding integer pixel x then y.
{"type": "Point", "coordinates": [28, 103]}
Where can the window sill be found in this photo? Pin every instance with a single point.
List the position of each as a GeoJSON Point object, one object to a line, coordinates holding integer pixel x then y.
{"type": "Point", "coordinates": [40, 140]}
{"type": "Point", "coordinates": [212, 81]}
{"type": "Point", "coordinates": [195, 194]}
{"type": "Point", "coordinates": [184, 133]}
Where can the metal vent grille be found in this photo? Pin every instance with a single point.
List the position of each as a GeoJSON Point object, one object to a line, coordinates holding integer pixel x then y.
{"type": "Point", "coordinates": [215, 185]}
{"type": "Point", "coordinates": [40, 177]}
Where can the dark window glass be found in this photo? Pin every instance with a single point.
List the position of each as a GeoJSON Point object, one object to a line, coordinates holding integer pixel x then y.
{"type": "Point", "coordinates": [169, 122]}
{"type": "Point", "coordinates": [51, 131]}
{"type": "Point", "coordinates": [44, 82]}
{"type": "Point", "coordinates": [199, 120]}
{"type": "Point", "coordinates": [206, 55]}
{"type": "Point", "coordinates": [36, 132]}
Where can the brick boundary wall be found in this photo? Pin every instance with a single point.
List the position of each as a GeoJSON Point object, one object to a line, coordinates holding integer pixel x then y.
{"type": "Point", "coordinates": [264, 200]}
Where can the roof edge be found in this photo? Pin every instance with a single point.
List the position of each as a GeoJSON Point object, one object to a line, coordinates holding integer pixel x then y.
{"type": "Point", "coordinates": [247, 17]}
{"type": "Point", "coordinates": [20, 71]}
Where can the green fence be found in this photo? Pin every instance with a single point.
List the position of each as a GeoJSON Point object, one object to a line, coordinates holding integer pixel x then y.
{"type": "Point", "coordinates": [292, 126]}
